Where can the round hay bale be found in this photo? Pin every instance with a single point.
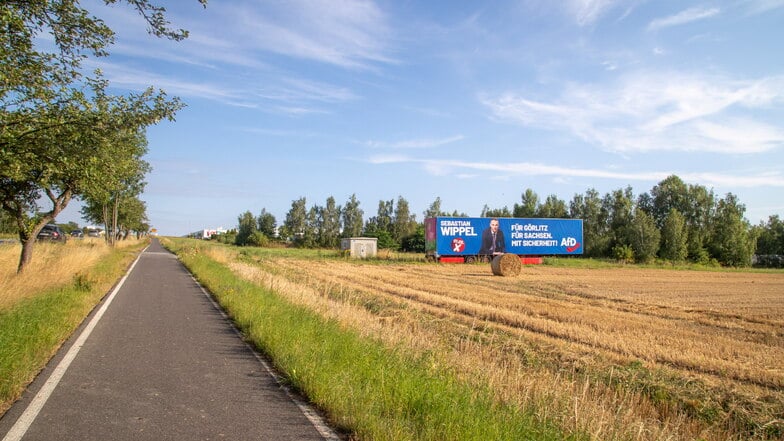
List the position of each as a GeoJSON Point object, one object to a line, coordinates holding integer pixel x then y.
{"type": "Point", "coordinates": [506, 265]}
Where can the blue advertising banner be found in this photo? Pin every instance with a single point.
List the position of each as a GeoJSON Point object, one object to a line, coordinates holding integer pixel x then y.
{"type": "Point", "coordinates": [487, 236]}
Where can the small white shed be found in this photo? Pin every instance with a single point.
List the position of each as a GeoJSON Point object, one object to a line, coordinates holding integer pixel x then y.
{"type": "Point", "coordinates": [359, 247]}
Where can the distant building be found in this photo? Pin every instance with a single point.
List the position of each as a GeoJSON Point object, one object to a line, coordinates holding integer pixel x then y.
{"type": "Point", "coordinates": [207, 233]}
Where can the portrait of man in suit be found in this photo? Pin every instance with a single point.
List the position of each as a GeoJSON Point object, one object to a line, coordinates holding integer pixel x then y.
{"type": "Point", "coordinates": [492, 240]}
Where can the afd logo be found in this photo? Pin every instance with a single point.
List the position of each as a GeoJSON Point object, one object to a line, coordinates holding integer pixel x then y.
{"type": "Point", "coordinates": [570, 243]}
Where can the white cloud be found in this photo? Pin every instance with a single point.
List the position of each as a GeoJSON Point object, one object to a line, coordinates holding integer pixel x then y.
{"type": "Point", "coordinates": [656, 111]}
{"type": "Point", "coordinates": [762, 6]}
{"type": "Point", "coordinates": [298, 90]}
{"type": "Point", "coordinates": [450, 167]}
{"type": "Point", "coordinates": [293, 96]}
{"type": "Point", "coordinates": [586, 12]}
{"type": "Point", "coordinates": [348, 33]}
{"type": "Point", "coordinates": [423, 143]}
{"type": "Point", "coordinates": [351, 34]}
{"type": "Point", "coordinates": [683, 17]}
{"type": "Point", "coordinates": [135, 79]}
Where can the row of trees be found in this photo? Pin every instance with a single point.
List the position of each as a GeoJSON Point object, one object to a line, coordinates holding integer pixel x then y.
{"type": "Point", "coordinates": [62, 135]}
{"type": "Point", "coordinates": [674, 221]}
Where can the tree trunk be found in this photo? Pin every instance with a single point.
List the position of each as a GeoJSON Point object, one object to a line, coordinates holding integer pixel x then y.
{"type": "Point", "coordinates": [26, 256]}
{"type": "Point", "coordinates": [28, 235]}
{"type": "Point", "coordinates": [28, 243]}
{"type": "Point", "coordinates": [107, 237]}
{"type": "Point", "coordinates": [115, 211]}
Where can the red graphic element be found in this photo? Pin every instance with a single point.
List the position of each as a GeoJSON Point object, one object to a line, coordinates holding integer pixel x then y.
{"type": "Point", "coordinates": [573, 248]}
{"type": "Point", "coordinates": [458, 245]}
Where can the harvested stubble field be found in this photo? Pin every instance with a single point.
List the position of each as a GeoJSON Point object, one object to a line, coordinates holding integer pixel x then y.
{"type": "Point", "coordinates": [619, 353]}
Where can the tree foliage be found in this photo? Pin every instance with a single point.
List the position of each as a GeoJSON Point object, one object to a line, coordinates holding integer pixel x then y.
{"type": "Point", "coordinates": [296, 221]}
{"type": "Point", "coordinates": [771, 236]}
{"type": "Point", "coordinates": [589, 208]}
{"type": "Point", "coordinates": [552, 208]}
{"type": "Point", "coordinates": [495, 212]}
{"type": "Point", "coordinates": [529, 204]}
{"type": "Point", "coordinates": [329, 234]}
{"type": "Point", "coordinates": [246, 230]}
{"type": "Point", "coordinates": [732, 241]}
{"type": "Point", "coordinates": [674, 237]}
{"type": "Point", "coordinates": [642, 236]}
{"type": "Point", "coordinates": [267, 225]}
{"type": "Point", "coordinates": [404, 223]}
{"type": "Point", "coordinates": [57, 130]}
{"type": "Point", "coordinates": [352, 216]}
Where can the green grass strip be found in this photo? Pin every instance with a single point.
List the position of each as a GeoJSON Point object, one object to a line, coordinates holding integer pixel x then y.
{"type": "Point", "coordinates": [372, 391]}
{"type": "Point", "coordinates": [32, 330]}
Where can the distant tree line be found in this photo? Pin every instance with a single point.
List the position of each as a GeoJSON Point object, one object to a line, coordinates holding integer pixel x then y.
{"type": "Point", "coordinates": [674, 222]}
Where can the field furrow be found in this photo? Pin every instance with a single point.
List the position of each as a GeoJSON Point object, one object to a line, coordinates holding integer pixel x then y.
{"type": "Point", "coordinates": [710, 342]}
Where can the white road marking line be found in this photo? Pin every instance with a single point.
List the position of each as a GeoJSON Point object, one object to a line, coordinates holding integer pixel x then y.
{"type": "Point", "coordinates": [26, 420]}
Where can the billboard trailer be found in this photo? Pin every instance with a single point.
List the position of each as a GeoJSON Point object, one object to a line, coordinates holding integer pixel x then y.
{"type": "Point", "coordinates": [473, 239]}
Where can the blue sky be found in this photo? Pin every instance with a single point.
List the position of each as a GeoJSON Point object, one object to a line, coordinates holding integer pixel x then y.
{"type": "Point", "coordinates": [472, 102]}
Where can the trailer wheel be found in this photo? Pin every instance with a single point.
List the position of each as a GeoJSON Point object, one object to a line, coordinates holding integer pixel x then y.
{"type": "Point", "coordinates": [470, 259]}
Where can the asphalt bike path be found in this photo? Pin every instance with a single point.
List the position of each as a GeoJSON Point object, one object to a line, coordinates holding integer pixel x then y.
{"type": "Point", "coordinates": [161, 363]}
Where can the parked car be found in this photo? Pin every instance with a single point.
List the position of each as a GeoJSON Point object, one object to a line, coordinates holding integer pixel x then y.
{"type": "Point", "coordinates": [77, 234]}
{"type": "Point", "coordinates": [53, 233]}
{"type": "Point", "coordinates": [93, 233]}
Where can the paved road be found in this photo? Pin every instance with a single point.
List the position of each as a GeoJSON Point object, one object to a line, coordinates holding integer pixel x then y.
{"type": "Point", "coordinates": [163, 363]}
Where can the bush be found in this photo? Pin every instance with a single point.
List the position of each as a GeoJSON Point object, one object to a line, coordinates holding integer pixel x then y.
{"type": "Point", "coordinates": [257, 239]}
{"type": "Point", "coordinates": [227, 238]}
{"type": "Point", "coordinates": [623, 253]}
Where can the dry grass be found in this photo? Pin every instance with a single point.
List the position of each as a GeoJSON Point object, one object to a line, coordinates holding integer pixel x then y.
{"type": "Point", "coordinates": [52, 265]}
{"type": "Point", "coordinates": [620, 353]}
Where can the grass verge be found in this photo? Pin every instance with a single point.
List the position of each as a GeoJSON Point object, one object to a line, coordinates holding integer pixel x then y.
{"type": "Point", "coordinates": [32, 329]}
{"type": "Point", "coordinates": [367, 389]}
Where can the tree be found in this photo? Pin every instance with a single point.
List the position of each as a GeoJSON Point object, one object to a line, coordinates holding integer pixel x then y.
{"type": "Point", "coordinates": [670, 193]}
{"type": "Point", "coordinates": [382, 221]}
{"type": "Point", "coordinates": [771, 236]}
{"type": "Point", "coordinates": [132, 216]}
{"type": "Point", "coordinates": [674, 237]}
{"type": "Point", "coordinates": [732, 242]}
{"type": "Point", "coordinates": [246, 230]}
{"type": "Point", "coordinates": [415, 243]}
{"type": "Point", "coordinates": [121, 180]}
{"type": "Point", "coordinates": [645, 203]}
{"type": "Point", "coordinates": [330, 224]}
{"type": "Point", "coordinates": [352, 218]}
{"type": "Point", "coordinates": [495, 212]}
{"type": "Point", "coordinates": [699, 215]}
{"type": "Point", "coordinates": [619, 206]}
{"type": "Point", "coordinates": [296, 221]}
{"type": "Point", "coordinates": [313, 227]}
{"type": "Point", "coordinates": [529, 205]}
{"type": "Point", "coordinates": [434, 210]}
{"type": "Point", "coordinates": [72, 155]}
{"type": "Point", "coordinates": [596, 237]}
{"type": "Point", "coordinates": [53, 126]}
{"type": "Point", "coordinates": [643, 236]}
{"type": "Point", "coordinates": [552, 208]}
{"type": "Point", "coordinates": [267, 225]}
{"type": "Point", "coordinates": [30, 71]}
{"type": "Point", "coordinates": [404, 222]}
{"type": "Point", "coordinates": [380, 226]}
